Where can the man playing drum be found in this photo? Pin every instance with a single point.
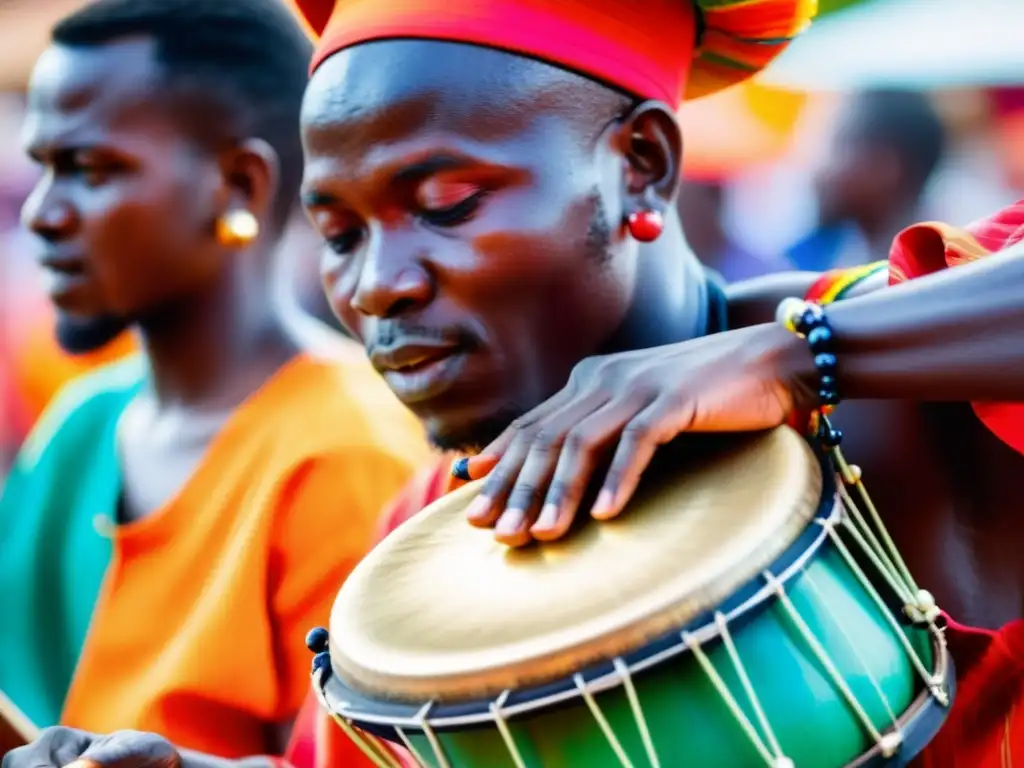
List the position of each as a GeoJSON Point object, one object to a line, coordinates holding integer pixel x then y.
{"type": "Point", "coordinates": [494, 183]}
{"type": "Point", "coordinates": [169, 504]}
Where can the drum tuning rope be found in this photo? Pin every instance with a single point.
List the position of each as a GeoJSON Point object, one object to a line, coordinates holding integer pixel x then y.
{"type": "Point", "coordinates": [367, 744]}
{"type": "Point", "coordinates": [638, 713]}
{"type": "Point", "coordinates": [428, 731]}
{"type": "Point", "coordinates": [415, 753]}
{"type": "Point", "coordinates": [602, 721]}
{"type": "Point", "coordinates": [919, 605]}
{"type": "Point", "coordinates": [822, 655]}
{"type": "Point", "coordinates": [771, 752]}
{"type": "Point", "coordinates": [505, 731]}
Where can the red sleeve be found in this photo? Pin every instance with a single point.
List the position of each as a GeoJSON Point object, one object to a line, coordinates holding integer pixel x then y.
{"type": "Point", "coordinates": [985, 727]}
{"type": "Point", "coordinates": [932, 247]}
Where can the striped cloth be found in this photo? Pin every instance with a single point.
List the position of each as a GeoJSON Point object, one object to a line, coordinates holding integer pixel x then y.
{"type": "Point", "coordinates": [742, 37]}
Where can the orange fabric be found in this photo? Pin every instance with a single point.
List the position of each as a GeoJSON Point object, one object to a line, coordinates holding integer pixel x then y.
{"type": "Point", "coordinates": [931, 247]}
{"type": "Point", "coordinates": [198, 630]}
{"type": "Point", "coordinates": [648, 49]}
{"type": "Point", "coordinates": [644, 49]}
{"type": "Point", "coordinates": [40, 368]}
{"type": "Point", "coordinates": [316, 741]}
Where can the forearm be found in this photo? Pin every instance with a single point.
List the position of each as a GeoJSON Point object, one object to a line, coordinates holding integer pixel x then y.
{"type": "Point", "coordinates": [954, 336]}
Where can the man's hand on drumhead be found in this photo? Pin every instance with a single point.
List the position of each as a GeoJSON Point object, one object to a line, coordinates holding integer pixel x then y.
{"type": "Point", "coordinates": [59, 747]}
{"type": "Point", "coordinates": [615, 412]}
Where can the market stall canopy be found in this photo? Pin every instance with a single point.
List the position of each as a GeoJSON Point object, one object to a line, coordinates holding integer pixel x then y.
{"type": "Point", "coordinates": [922, 44]}
{"type": "Point", "coordinates": [24, 33]}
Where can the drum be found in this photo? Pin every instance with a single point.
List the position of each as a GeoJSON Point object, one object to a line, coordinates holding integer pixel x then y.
{"type": "Point", "coordinates": [743, 611]}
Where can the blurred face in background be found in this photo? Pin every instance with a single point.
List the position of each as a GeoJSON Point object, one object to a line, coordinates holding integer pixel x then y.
{"type": "Point", "coordinates": [122, 213]}
{"type": "Point", "coordinates": [856, 174]}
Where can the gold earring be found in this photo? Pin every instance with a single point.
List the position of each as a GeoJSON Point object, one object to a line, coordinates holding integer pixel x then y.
{"type": "Point", "coordinates": [237, 228]}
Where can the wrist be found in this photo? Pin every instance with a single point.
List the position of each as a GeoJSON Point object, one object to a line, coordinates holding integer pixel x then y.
{"type": "Point", "coordinates": [811, 366]}
{"type": "Point", "coordinates": [793, 366]}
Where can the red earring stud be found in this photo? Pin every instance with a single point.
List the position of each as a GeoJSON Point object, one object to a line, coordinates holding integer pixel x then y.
{"type": "Point", "coordinates": [645, 226]}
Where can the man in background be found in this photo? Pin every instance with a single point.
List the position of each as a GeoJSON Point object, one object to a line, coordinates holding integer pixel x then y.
{"type": "Point", "coordinates": [883, 150]}
{"type": "Point", "coordinates": [161, 530]}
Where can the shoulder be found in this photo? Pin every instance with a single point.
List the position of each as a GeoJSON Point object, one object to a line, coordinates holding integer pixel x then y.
{"type": "Point", "coordinates": [754, 301]}
{"type": "Point", "coordinates": [83, 405]}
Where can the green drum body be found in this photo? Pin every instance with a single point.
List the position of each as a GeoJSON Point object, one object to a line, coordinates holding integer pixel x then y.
{"type": "Point", "coordinates": [814, 661]}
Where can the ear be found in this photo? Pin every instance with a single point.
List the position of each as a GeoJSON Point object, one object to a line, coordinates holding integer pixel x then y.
{"type": "Point", "coordinates": [250, 174]}
{"type": "Point", "coordinates": [652, 145]}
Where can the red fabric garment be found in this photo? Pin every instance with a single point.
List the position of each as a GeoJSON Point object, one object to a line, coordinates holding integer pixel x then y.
{"type": "Point", "coordinates": [648, 49]}
{"type": "Point", "coordinates": [984, 728]}
{"type": "Point", "coordinates": [924, 249]}
{"type": "Point", "coordinates": [647, 52]}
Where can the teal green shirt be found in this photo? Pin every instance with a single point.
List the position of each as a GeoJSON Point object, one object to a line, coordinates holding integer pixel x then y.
{"type": "Point", "coordinates": [53, 551]}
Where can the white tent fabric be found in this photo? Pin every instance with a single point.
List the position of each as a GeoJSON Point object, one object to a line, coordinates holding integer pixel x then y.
{"type": "Point", "coordinates": [923, 44]}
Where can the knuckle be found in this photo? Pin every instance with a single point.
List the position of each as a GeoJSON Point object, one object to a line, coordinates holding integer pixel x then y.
{"type": "Point", "coordinates": [586, 368]}
{"type": "Point", "coordinates": [494, 485]}
{"type": "Point", "coordinates": [637, 431]}
{"type": "Point", "coordinates": [520, 423]}
{"type": "Point", "coordinates": [523, 496]}
{"type": "Point", "coordinates": [561, 491]}
{"type": "Point", "coordinates": [581, 441]}
{"type": "Point", "coordinates": [547, 441]}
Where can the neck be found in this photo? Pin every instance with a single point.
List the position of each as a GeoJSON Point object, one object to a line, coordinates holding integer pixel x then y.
{"type": "Point", "coordinates": [215, 348]}
{"type": "Point", "coordinates": [670, 301]}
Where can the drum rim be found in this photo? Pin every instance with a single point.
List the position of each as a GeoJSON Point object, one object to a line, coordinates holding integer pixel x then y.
{"type": "Point", "coordinates": [798, 554]}
{"type": "Point", "coordinates": [922, 719]}
{"type": "Point", "coordinates": [678, 597]}
{"type": "Point", "coordinates": [925, 716]}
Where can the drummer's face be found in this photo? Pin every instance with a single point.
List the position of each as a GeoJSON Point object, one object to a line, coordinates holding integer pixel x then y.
{"type": "Point", "coordinates": [465, 197]}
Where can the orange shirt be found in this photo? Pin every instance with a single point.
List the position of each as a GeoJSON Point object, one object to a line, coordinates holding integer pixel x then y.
{"type": "Point", "coordinates": [317, 742]}
{"type": "Point", "coordinates": [40, 368]}
{"type": "Point", "coordinates": [198, 630]}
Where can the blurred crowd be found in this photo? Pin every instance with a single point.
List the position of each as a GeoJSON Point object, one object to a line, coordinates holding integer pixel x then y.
{"type": "Point", "coordinates": [840, 177]}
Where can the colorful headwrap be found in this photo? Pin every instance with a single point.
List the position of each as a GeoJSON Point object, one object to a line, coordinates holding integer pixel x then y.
{"type": "Point", "coordinates": [669, 50]}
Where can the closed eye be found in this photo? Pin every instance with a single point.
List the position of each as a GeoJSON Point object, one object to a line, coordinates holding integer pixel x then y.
{"type": "Point", "coordinates": [445, 203]}
{"type": "Point", "coordinates": [346, 242]}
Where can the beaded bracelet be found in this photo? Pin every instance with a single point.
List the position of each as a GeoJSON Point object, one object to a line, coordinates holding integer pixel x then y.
{"type": "Point", "coordinates": [809, 321]}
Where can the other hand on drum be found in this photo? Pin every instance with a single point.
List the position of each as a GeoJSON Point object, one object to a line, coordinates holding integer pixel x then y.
{"type": "Point", "coordinates": [621, 407]}
{"type": "Point", "coordinates": [60, 747]}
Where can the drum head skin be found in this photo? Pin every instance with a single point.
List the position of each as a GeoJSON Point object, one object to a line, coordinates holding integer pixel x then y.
{"type": "Point", "coordinates": [439, 611]}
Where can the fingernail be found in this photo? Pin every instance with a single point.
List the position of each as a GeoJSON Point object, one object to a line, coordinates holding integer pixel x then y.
{"type": "Point", "coordinates": [480, 466]}
{"type": "Point", "coordinates": [479, 508]}
{"type": "Point", "coordinates": [603, 505]}
{"type": "Point", "coordinates": [510, 522]}
{"type": "Point", "coordinates": [547, 518]}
